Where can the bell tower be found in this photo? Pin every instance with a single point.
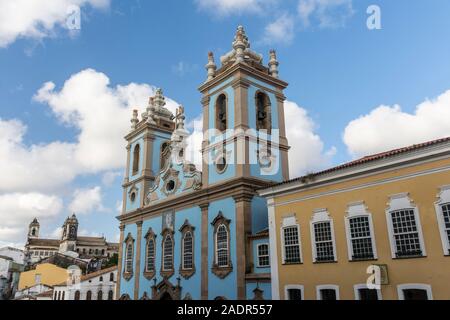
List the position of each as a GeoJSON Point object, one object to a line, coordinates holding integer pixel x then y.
{"type": "Point", "coordinates": [148, 150]}
{"type": "Point", "coordinates": [243, 117]}
{"type": "Point", "coordinates": [33, 229]}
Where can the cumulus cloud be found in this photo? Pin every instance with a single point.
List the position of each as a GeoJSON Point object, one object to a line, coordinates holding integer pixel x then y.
{"type": "Point", "coordinates": [327, 13]}
{"type": "Point", "coordinates": [17, 210]}
{"type": "Point", "coordinates": [307, 152]}
{"type": "Point", "coordinates": [86, 201]}
{"type": "Point", "coordinates": [228, 7]}
{"type": "Point", "coordinates": [280, 31]}
{"type": "Point", "coordinates": [37, 19]}
{"type": "Point", "coordinates": [388, 127]}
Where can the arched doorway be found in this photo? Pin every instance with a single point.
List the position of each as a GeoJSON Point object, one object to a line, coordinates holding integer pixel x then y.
{"type": "Point", "coordinates": [166, 296]}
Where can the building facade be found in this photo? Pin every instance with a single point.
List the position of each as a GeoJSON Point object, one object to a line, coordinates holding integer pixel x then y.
{"type": "Point", "coordinates": [191, 234]}
{"type": "Point", "coordinates": [37, 249]}
{"type": "Point", "coordinates": [99, 285]}
{"type": "Point", "coordinates": [382, 220]}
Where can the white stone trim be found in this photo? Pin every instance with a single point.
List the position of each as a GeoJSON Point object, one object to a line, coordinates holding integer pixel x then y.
{"type": "Point", "coordinates": [327, 287]}
{"type": "Point", "coordinates": [317, 185]}
{"type": "Point", "coordinates": [355, 210]}
{"type": "Point", "coordinates": [321, 215]}
{"type": "Point", "coordinates": [443, 198]}
{"type": "Point", "coordinates": [293, 286]}
{"type": "Point", "coordinates": [273, 250]}
{"type": "Point", "coordinates": [418, 286]}
{"type": "Point", "coordinates": [421, 156]}
{"type": "Point", "coordinates": [397, 202]}
{"type": "Point", "coordinates": [356, 288]}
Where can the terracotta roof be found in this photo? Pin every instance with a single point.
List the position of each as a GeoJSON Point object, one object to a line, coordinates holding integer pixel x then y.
{"type": "Point", "coordinates": [372, 158]}
{"type": "Point", "coordinates": [44, 242]}
{"type": "Point", "coordinates": [91, 241]}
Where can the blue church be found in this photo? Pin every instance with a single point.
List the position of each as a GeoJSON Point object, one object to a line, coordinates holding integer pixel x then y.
{"type": "Point", "coordinates": [187, 234]}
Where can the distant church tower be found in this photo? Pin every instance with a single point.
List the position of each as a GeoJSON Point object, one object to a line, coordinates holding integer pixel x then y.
{"type": "Point", "coordinates": [33, 229]}
{"type": "Point", "coordinates": [69, 234]}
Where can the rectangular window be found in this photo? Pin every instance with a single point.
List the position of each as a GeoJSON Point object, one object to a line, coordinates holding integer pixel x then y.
{"type": "Point", "coordinates": [361, 239]}
{"type": "Point", "coordinates": [263, 255]}
{"type": "Point", "coordinates": [446, 213]}
{"type": "Point", "coordinates": [368, 294]}
{"type": "Point", "coordinates": [291, 245]}
{"type": "Point", "coordinates": [406, 234]}
{"type": "Point", "coordinates": [328, 295]}
{"type": "Point", "coordinates": [415, 294]}
{"type": "Point", "coordinates": [324, 242]}
{"type": "Point", "coordinates": [294, 294]}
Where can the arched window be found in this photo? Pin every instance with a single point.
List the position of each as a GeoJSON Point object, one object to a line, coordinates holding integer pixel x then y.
{"type": "Point", "coordinates": [33, 232]}
{"type": "Point", "coordinates": [221, 113]}
{"type": "Point", "coordinates": [222, 265]}
{"type": "Point", "coordinates": [101, 279]}
{"type": "Point", "coordinates": [100, 295]}
{"type": "Point", "coordinates": [129, 257]}
{"type": "Point", "coordinates": [136, 156]}
{"type": "Point", "coordinates": [111, 295]}
{"type": "Point", "coordinates": [111, 277]}
{"type": "Point", "coordinates": [188, 251]}
{"type": "Point", "coordinates": [89, 295]}
{"type": "Point", "coordinates": [222, 246]}
{"type": "Point", "coordinates": [168, 253]}
{"type": "Point", "coordinates": [263, 112]}
{"type": "Point", "coordinates": [77, 295]}
{"type": "Point", "coordinates": [164, 157]}
{"type": "Point", "coordinates": [151, 255]}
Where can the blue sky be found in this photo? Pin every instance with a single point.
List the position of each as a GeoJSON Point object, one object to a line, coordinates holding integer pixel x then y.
{"type": "Point", "coordinates": [353, 91]}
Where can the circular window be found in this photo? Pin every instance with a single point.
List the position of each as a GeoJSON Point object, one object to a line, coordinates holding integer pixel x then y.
{"type": "Point", "coordinates": [221, 164]}
{"type": "Point", "coordinates": [133, 196]}
{"type": "Point", "coordinates": [170, 187]}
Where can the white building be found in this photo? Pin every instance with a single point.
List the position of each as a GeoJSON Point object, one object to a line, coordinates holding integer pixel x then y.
{"type": "Point", "coordinates": [33, 292]}
{"type": "Point", "coordinates": [11, 265]}
{"type": "Point", "coordinates": [99, 285]}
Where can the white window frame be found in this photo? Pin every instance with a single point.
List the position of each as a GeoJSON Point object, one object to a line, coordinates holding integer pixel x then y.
{"type": "Point", "coordinates": [412, 286]}
{"type": "Point", "coordinates": [443, 199]}
{"type": "Point", "coordinates": [398, 202]}
{"type": "Point", "coordinates": [259, 256]}
{"type": "Point", "coordinates": [357, 287]}
{"type": "Point", "coordinates": [320, 216]}
{"type": "Point", "coordinates": [290, 222]}
{"type": "Point", "coordinates": [357, 210]}
{"type": "Point", "coordinates": [293, 286]}
{"type": "Point", "coordinates": [327, 287]}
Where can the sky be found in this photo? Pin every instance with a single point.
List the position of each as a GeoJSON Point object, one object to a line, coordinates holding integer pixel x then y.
{"type": "Point", "coordinates": [66, 94]}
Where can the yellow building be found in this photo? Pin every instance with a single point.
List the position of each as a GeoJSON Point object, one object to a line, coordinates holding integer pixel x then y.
{"type": "Point", "coordinates": [387, 214]}
{"type": "Point", "coordinates": [45, 274]}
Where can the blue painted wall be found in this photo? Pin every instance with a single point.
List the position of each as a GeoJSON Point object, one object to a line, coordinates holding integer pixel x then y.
{"type": "Point", "coordinates": [259, 215]}
{"type": "Point", "coordinates": [160, 138]}
{"type": "Point", "coordinates": [257, 242]}
{"type": "Point", "coordinates": [226, 287]}
{"type": "Point", "coordinates": [265, 286]}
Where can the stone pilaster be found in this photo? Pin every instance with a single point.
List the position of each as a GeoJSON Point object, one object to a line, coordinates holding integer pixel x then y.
{"type": "Point", "coordinates": [243, 230]}
{"type": "Point", "coordinates": [147, 171]}
{"type": "Point", "coordinates": [204, 258]}
{"type": "Point", "coordinates": [205, 167]}
{"type": "Point", "coordinates": [138, 260]}
{"type": "Point", "coordinates": [120, 261]}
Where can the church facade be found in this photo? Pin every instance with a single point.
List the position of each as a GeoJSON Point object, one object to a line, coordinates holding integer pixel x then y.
{"type": "Point", "coordinates": [87, 248]}
{"type": "Point", "coordinates": [191, 234]}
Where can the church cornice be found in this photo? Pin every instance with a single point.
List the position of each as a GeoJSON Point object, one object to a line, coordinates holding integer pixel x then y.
{"type": "Point", "coordinates": [231, 188]}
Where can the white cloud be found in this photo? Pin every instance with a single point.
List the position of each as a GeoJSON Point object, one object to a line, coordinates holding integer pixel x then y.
{"type": "Point", "coordinates": [194, 141]}
{"type": "Point", "coordinates": [280, 31]}
{"type": "Point", "coordinates": [307, 149]}
{"type": "Point", "coordinates": [17, 210]}
{"type": "Point", "coordinates": [229, 7]}
{"type": "Point", "coordinates": [110, 177]}
{"type": "Point", "coordinates": [86, 201]}
{"type": "Point", "coordinates": [328, 13]}
{"type": "Point", "coordinates": [388, 127]}
{"type": "Point", "coordinates": [37, 19]}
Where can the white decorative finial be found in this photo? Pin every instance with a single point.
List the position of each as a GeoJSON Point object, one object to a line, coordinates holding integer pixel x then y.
{"type": "Point", "coordinates": [239, 46]}
{"type": "Point", "coordinates": [273, 64]}
{"type": "Point", "coordinates": [179, 118]}
{"type": "Point", "coordinates": [134, 120]}
{"type": "Point", "coordinates": [159, 99]}
{"type": "Point", "coordinates": [211, 66]}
